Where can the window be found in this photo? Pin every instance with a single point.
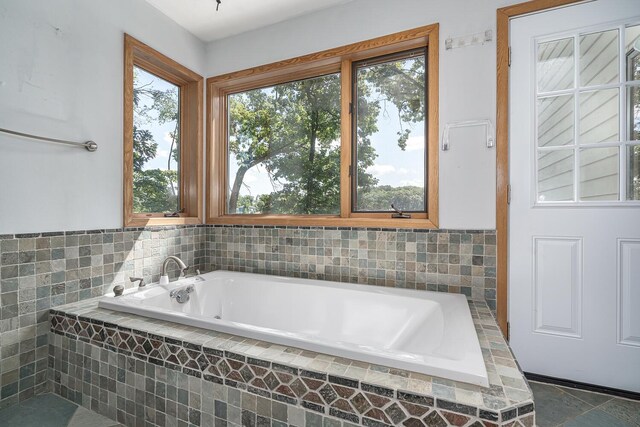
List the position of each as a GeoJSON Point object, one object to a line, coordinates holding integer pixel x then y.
{"type": "Point", "coordinates": [332, 138]}
{"type": "Point", "coordinates": [284, 148]}
{"type": "Point", "coordinates": [162, 139]}
{"type": "Point", "coordinates": [389, 133]}
{"type": "Point", "coordinates": [587, 145]}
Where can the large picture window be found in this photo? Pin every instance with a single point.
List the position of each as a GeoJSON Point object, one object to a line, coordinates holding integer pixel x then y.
{"type": "Point", "coordinates": [346, 137]}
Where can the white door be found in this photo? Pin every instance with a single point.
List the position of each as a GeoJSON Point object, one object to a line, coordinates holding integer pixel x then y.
{"type": "Point", "coordinates": [574, 227]}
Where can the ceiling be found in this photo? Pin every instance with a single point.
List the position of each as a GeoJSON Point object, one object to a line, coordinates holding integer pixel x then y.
{"type": "Point", "coordinates": [235, 16]}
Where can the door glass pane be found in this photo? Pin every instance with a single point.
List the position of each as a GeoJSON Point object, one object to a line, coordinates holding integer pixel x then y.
{"type": "Point", "coordinates": [633, 112]}
{"type": "Point", "coordinates": [599, 58]}
{"type": "Point", "coordinates": [599, 119]}
{"type": "Point", "coordinates": [555, 65]}
{"type": "Point", "coordinates": [632, 50]}
{"type": "Point", "coordinates": [156, 144]}
{"type": "Point", "coordinates": [555, 175]}
{"type": "Point", "coordinates": [390, 133]}
{"type": "Point", "coordinates": [599, 173]}
{"type": "Point", "coordinates": [284, 148]}
{"type": "Point", "coordinates": [556, 121]}
{"type": "Point", "coordinates": [633, 172]}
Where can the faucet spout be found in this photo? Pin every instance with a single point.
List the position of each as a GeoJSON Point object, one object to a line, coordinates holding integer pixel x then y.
{"type": "Point", "coordinates": [164, 278]}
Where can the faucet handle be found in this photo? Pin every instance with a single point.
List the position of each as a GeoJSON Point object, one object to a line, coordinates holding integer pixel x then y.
{"type": "Point", "coordinates": [137, 279]}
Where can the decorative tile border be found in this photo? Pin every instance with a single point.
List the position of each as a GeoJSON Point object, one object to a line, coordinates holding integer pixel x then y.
{"type": "Point", "coordinates": [295, 377]}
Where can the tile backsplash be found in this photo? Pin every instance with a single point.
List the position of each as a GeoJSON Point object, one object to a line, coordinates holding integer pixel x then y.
{"type": "Point", "coordinates": [459, 261]}
{"type": "Point", "coordinates": [39, 271]}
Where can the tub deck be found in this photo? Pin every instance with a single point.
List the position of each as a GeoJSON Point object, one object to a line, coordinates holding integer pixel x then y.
{"type": "Point", "coordinates": [350, 390]}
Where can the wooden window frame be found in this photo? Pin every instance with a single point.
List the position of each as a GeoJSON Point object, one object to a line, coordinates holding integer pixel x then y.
{"type": "Point", "coordinates": [190, 83]}
{"type": "Point", "coordinates": [308, 66]}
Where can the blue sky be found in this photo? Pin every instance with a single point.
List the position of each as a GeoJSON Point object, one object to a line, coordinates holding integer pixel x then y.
{"type": "Point", "coordinates": [160, 131]}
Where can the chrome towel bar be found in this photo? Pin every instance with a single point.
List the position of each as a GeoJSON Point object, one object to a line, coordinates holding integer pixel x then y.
{"type": "Point", "coordinates": [89, 145]}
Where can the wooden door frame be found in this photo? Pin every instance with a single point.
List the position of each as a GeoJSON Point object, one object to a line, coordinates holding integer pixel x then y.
{"type": "Point", "coordinates": [503, 15]}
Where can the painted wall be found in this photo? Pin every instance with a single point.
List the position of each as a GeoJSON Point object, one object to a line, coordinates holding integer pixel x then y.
{"type": "Point", "coordinates": [467, 80]}
{"type": "Point", "coordinates": [61, 76]}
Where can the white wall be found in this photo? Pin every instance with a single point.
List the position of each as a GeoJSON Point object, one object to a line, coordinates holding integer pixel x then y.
{"type": "Point", "coordinates": [61, 68]}
{"type": "Point", "coordinates": [61, 74]}
{"type": "Point", "coordinates": [467, 80]}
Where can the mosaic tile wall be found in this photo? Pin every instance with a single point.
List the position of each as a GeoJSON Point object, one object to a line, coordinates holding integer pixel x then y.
{"type": "Point", "coordinates": [43, 270]}
{"type": "Point", "coordinates": [459, 261]}
{"type": "Point", "coordinates": [39, 271]}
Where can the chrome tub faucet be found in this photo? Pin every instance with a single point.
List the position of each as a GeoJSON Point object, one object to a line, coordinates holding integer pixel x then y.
{"type": "Point", "coordinates": [164, 278]}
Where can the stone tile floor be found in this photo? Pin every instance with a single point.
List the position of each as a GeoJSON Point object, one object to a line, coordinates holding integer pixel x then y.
{"type": "Point", "coordinates": [50, 410]}
{"type": "Point", "coordinates": [567, 407]}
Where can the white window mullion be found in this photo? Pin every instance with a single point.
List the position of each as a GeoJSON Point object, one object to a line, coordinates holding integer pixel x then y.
{"type": "Point", "coordinates": [576, 117]}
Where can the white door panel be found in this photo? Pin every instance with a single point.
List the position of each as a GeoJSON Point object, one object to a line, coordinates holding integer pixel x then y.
{"type": "Point", "coordinates": [574, 239]}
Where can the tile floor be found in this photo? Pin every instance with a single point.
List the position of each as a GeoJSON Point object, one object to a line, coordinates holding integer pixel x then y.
{"type": "Point", "coordinates": [555, 406]}
{"type": "Point", "coordinates": [567, 407]}
{"type": "Point", "coordinates": [50, 410]}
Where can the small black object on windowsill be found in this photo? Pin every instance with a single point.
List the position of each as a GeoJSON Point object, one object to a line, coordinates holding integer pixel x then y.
{"type": "Point", "coordinates": [398, 213]}
{"type": "Point", "coordinates": [175, 214]}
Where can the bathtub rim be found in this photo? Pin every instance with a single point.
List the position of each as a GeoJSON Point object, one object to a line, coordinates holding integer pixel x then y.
{"type": "Point", "coordinates": [470, 369]}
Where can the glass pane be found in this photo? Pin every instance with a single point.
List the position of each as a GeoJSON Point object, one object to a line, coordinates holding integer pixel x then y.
{"type": "Point", "coordinates": [599, 174]}
{"type": "Point", "coordinates": [633, 112]}
{"type": "Point", "coordinates": [555, 175]}
{"type": "Point", "coordinates": [284, 148]}
{"type": "Point", "coordinates": [390, 141]}
{"type": "Point", "coordinates": [555, 65]}
{"type": "Point", "coordinates": [633, 172]}
{"type": "Point", "coordinates": [632, 50]}
{"type": "Point", "coordinates": [599, 58]}
{"type": "Point", "coordinates": [599, 120]}
{"type": "Point", "coordinates": [156, 144]}
{"type": "Point", "coordinates": [556, 121]}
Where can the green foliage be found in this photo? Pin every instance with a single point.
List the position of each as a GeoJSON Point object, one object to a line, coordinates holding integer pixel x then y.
{"type": "Point", "coordinates": [154, 189]}
{"type": "Point", "coordinates": [399, 82]}
{"type": "Point", "coordinates": [409, 198]}
{"type": "Point", "coordinates": [292, 131]}
{"type": "Point", "coordinates": [144, 148]}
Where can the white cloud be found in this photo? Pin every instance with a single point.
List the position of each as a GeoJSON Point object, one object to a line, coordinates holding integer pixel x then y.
{"type": "Point", "coordinates": [379, 170]}
{"type": "Point", "coordinates": [415, 143]}
{"type": "Point", "coordinates": [167, 137]}
{"type": "Point", "coordinates": [413, 182]}
{"type": "Point", "coordinates": [162, 153]}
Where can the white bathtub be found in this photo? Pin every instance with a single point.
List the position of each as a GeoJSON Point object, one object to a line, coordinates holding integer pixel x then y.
{"type": "Point", "coordinates": [427, 332]}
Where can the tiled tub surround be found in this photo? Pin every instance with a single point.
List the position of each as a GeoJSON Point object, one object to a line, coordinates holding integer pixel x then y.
{"type": "Point", "coordinates": [43, 270]}
{"type": "Point", "coordinates": [136, 370]}
{"type": "Point", "coordinates": [426, 332]}
{"type": "Point", "coordinates": [458, 261]}
{"type": "Point", "coordinates": [39, 271]}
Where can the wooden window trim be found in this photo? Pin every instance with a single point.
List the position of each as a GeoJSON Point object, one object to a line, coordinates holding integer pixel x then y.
{"type": "Point", "coordinates": [190, 83]}
{"type": "Point", "coordinates": [307, 66]}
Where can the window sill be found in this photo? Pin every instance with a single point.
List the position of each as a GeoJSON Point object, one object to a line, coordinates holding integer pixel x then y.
{"type": "Point", "coordinates": [322, 221]}
{"type": "Point", "coordinates": [160, 220]}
